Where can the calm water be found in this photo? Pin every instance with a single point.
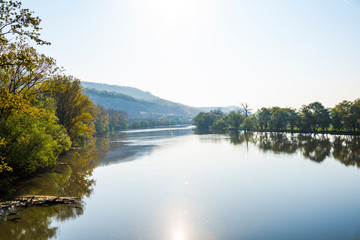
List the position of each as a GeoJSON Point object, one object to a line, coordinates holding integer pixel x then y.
{"type": "Point", "coordinates": [174, 184]}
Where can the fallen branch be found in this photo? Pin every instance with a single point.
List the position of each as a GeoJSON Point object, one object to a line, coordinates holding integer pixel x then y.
{"type": "Point", "coordinates": [8, 208]}
{"type": "Point", "coordinates": [29, 200]}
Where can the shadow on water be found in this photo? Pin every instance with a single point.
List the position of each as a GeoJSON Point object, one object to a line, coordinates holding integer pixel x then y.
{"type": "Point", "coordinates": [345, 149]}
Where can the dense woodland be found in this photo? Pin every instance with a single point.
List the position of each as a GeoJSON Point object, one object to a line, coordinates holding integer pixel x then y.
{"type": "Point", "coordinates": [42, 111]}
{"type": "Point", "coordinates": [311, 118]}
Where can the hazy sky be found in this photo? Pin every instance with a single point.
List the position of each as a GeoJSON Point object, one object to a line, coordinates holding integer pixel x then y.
{"type": "Point", "coordinates": [211, 52]}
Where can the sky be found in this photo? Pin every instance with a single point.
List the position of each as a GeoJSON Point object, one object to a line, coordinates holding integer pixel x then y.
{"type": "Point", "coordinates": [210, 52]}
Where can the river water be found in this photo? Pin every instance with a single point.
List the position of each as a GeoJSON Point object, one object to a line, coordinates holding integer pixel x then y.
{"type": "Point", "coordinates": [171, 183]}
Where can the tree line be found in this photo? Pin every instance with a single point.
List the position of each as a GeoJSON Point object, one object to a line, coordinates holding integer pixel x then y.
{"type": "Point", "coordinates": [43, 112]}
{"type": "Point", "coordinates": [149, 123]}
{"type": "Point", "coordinates": [311, 118]}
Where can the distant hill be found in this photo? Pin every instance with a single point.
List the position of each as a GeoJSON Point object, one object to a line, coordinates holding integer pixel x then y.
{"type": "Point", "coordinates": [131, 91]}
{"type": "Point", "coordinates": [226, 109]}
{"type": "Point", "coordinates": [139, 108]}
{"type": "Point", "coordinates": [140, 104]}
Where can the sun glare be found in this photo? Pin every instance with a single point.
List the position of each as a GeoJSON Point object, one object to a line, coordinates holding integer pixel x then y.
{"type": "Point", "coordinates": [173, 14]}
{"type": "Point", "coordinates": [179, 232]}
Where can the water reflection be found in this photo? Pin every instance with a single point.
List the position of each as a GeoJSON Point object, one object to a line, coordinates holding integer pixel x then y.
{"type": "Point", "coordinates": [164, 183]}
{"type": "Point", "coordinates": [71, 177]}
{"type": "Point", "coordinates": [130, 145]}
{"type": "Point", "coordinates": [345, 149]}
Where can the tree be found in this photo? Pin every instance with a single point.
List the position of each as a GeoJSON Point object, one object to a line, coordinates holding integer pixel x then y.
{"type": "Point", "coordinates": [19, 23]}
{"type": "Point", "coordinates": [341, 115]}
{"type": "Point", "coordinates": [24, 71]}
{"type": "Point", "coordinates": [32, 140]}
{"type": "Point", "coordinates": [293, 118]}
{"type": "Point", "coordinates": [117, 120]}
{"type": "Point", "coordinates": [278, 118]}
{"type": "Point", "coordinates": [264, 118]}
{"type": "Point", "coordinates": [219, 124]}
{"type": "Point", "coordinates": [235, 119]}
{"type": "Point", "coordinates": [246, 110]}
{"type": "Point", "coordinates": [249, 123]}
{"type": "Point", "coordinates": [314, 117]}
{"type": "Point", "coordinates": [204, 121]}
{"type": "Point", "coordinates": [76, 112]}
{"type": "Point", "coordinates": [218, 112]}
{"type": "Point", "coordinates": [356, 114]}
{"type": "Point", "coordinates": [102, 120]}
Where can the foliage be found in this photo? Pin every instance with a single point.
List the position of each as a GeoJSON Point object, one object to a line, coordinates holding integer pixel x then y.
{"type": "Point", "coordinates": [102, 120]}
{"type": "Point", "coordinates": [41, 112]}
{"type": "Point", "coordinates": [76, 112]}
{"type": "Point", "coordinates": [117, 120]}
{"type": "Point", "coordinates": [235, 119]}
{"type": "Point", "coordinates": [33, 139]}
{"type": "Point", "coordinates": [148, 123]}
{"type": "Point", "coordinates": [204, 120]}
{"type": "Point", "coordinates": [314, 117]}
{"type": "Point", "coordinates": [25, 71]}
{"type": "Point", "coordinates": [19, 22]}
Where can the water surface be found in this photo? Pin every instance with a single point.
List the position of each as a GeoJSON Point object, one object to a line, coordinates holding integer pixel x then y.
{"type": "Point", "coordinates": [174, 184]}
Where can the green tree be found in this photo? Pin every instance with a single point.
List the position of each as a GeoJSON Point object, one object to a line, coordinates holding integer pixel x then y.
{"type": "Point", "coordinates": [235, 119]}
{"type": "Point", "coordinates": [292, 117]}
{"type": "Point", "coordinates": [204, 121]}
{"type": "Point", "coordinates": [76, 112]}
{"type": "Point", "coordinates": [314, 117]}
{"type": "Point", "coordinates": [249, 123]}
{"type": "Point", "coordinates": [341, 115]}
{"type": "Point", "coordinates": [356, 114]}
{"type": "Point", "coordinates": [219, 124]}
{"type": "Point", "coordinates": [278, 119]}
{"type": "Point", "coordinates": [33, 140]}
{"type": "Point", "coordinates": [264, 117]}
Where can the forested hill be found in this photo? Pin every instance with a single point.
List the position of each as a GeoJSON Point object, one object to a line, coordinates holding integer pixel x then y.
{"type": "Point", "coordinates": [131, 91]}
{"type": "Point", "coordinates": [140, 108]}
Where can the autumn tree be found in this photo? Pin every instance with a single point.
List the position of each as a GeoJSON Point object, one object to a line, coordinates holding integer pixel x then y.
{"type": "Point", "coordinates": [19, 23]}
{"type": "Point", "coordinates": [76, 112]}
{"type": "Point", "coordinates": [102, 120]}
{"type": "Point", "coordinates": [117, 119]}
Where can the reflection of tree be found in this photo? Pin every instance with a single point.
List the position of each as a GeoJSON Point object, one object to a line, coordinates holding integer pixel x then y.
{"type": "Point", "coordinates": [34, 224]}
{"type": "Point", "coordinates": [70, 178]}
{"type": "Point", "coordinates": [277, 142]}
{"type": "Point", "coordinates": [241, 137]}
{"type": "Point", "coordinates": [315, 148]}
{"type": "Point", "coordinates": [347, 150]}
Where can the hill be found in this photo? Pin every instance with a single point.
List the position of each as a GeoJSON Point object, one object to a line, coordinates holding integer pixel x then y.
{"type": "Point", "coordinates": [139, 108]}
{"type": "Point", "coordinates": [131, 91]}
{"type": "Point", "coordinates": [140, 104]}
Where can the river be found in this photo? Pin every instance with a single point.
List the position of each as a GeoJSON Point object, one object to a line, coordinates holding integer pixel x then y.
{"type": "Point", "coordinates": [170, 183]}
